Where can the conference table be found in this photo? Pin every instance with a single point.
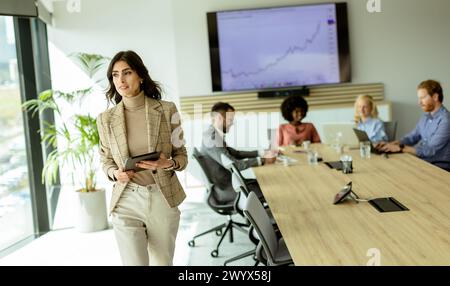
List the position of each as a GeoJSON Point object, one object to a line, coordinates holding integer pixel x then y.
{"type": "Point", "coordinates": [318, 232]}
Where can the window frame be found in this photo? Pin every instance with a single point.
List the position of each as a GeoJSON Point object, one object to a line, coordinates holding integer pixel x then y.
{"type": "Point", "coordinates": [34, 77]}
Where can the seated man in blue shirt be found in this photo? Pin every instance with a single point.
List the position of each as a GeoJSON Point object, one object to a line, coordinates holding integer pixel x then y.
{"type": "Point", "coordinates": [430, 140]}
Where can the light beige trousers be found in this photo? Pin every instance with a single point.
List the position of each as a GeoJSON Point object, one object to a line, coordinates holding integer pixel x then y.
{"type": "Point", "coordinates": [145, 227]}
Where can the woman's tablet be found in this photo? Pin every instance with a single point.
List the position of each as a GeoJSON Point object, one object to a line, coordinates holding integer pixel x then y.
{"type": "Point", "coordinates": [130, 164]}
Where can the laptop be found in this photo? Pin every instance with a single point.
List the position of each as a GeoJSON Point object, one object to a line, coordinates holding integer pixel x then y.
{"type": "Point", "coordinates": [332, 129]}
{"type": "Point", "coordinates": [363, 137]}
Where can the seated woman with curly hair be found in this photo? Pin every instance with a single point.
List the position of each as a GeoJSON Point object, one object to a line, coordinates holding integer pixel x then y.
{"type": "Point", "coordinates": [294, 109]}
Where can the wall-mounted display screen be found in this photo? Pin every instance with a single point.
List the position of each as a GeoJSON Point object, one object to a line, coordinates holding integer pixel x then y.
{"type": "Point", "coordinates": [279, 47]}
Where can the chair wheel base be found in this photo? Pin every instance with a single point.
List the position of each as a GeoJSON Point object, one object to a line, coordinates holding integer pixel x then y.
{"type": "Point", "coordinates": [215, 253]}
{"type": "Point", "coordinates": [191, 243]}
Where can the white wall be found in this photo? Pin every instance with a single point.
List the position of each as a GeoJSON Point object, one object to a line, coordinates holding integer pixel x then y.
{"type": "Point", "coordinates": [106, 27]}
{"type": "Point", "coordinates": [406, 43]}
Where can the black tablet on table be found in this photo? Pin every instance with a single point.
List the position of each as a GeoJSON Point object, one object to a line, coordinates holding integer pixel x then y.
{"type": "Point", "coordinates": [389, 204]}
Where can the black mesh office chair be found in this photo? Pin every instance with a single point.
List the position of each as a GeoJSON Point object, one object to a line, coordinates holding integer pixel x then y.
{"type": "Point", "coordinates": [250, 185]}
{"type": "Point", "coordinates": [270, 246]}
{"type": "Point", "coordinates": [252, 234]}
{"type": "Point", "coordinates": [441, 164]}
{"type": "Point", "coordinates": [390, 127]}
{"type": "Point", "coordinates": [222, 207]}
{"type": "Point", "coordinates": [247, 186]}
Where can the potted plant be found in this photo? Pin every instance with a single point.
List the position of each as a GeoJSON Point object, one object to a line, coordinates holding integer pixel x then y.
{"type": "Point", "coordinates": [78, 136]}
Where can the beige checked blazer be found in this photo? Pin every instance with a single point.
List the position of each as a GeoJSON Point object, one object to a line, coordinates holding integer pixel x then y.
{"type": "Point", "coordinates": [164, 127]}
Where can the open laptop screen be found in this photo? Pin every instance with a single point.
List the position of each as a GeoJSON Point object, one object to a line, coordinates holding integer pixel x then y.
{"type": "Point", "coordinates": [332, 129]}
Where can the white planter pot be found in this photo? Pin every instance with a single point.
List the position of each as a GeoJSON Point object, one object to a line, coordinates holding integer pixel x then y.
{"type": "Point", "coordinates": [90, 211]}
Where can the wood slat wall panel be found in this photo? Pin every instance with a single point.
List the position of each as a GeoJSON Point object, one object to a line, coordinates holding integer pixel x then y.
{"type": "Point", "coordinates": [321, 96]}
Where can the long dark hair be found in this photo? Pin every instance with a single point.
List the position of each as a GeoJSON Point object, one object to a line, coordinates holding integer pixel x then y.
{"type": "Point", "coordinates": [150, 87]}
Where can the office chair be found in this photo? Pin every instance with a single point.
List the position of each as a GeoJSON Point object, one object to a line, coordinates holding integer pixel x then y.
{"type": "Point", "coordinates": [275, 249]}
{"type": "Point", "coordinates": [253, 236]}
{"type": "Point", "coordinates": [226, 208]}
{"type": "Point", "coordinates": [246, 186]}
{"type": "Point", "coordinates": [390, 127]}
{"type": "Point", "coordinates": [440, 165]}
{"type": "Point", "coordinates": [249, 185]}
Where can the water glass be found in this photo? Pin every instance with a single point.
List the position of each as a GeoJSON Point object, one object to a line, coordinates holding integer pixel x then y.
{"type": "Point", "coordinates": [364, 149]}
{"type": "Point", "coordinates": [306, 144]}
{"type": "Point", "coordinates": [313, 157]}
{"type": "Point", "coordinates": [347, 164]}
{"type": "Point", "coordinates": [285, 161]}
{"type": "Point", "coordinates": [338, 146]}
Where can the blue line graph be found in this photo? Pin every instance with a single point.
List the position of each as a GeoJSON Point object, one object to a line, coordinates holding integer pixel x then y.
{"type": "Point", "coordinates": [278, 48]}
{"type": "Point", "coordinates": [289, 51]}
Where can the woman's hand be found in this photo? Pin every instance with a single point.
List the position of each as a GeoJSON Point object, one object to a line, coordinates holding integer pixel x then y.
{"type": "Point", "coordinates": [162, 162]}
{"type": "Point", "coordinates": [122, 176]}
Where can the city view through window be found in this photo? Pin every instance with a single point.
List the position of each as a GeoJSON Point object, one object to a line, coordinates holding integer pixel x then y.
{"type": "Point", "coordinates": [16, 221]}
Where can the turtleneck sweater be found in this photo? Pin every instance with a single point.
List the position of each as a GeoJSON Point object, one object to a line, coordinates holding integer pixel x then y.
{"type": "Point", "coordinates": [137, 137]}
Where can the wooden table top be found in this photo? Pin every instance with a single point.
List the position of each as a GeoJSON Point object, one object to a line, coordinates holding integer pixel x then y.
{"type": "Point", "coordinates": [317, 232]}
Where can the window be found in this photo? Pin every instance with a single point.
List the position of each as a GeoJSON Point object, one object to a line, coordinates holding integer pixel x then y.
{"type": "Point", "coordinates": [16, 216]}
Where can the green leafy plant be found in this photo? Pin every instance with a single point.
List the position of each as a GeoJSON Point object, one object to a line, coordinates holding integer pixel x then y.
{"type": "Point", "coordinates": [80, 134]}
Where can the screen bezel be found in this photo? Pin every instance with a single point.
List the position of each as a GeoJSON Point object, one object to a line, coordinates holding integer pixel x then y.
{"type": "Point", "coordinates": [342, 37]}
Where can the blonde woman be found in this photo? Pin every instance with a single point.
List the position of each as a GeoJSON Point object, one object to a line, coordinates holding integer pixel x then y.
{"type": "Point", "coordinates": [366, 118]}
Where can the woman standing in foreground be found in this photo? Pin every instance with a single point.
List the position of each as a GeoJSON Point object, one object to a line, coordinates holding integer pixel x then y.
{"type": "Point", "coordinates": [144, 204]}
